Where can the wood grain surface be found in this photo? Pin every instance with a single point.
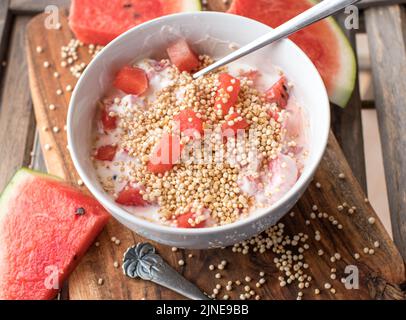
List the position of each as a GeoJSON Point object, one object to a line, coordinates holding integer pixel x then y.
{"type": "Point", "coordinates": [17, 123]}
{"type": "Point", "coordinates": [4, 28]}
{"type": "Point", "coordinates": [346, 124]}
{"type": "Point", "coordinates": [386, 28]}
{"type": "Point", "coordinates": [379, 274]}
{"type": "Point", "coordinates": [35, 6]}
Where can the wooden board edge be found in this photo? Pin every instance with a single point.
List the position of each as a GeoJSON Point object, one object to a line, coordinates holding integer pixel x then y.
{"type": "Point", "coordinates": [39, 109]}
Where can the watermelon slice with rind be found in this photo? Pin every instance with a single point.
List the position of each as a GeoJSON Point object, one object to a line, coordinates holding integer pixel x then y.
{"type": "Point", "coordinates": [46, 226]}
{"type": "Point", "coordinates": [100, 21]}
{"type": "Point", "coordinates": [324, 42]}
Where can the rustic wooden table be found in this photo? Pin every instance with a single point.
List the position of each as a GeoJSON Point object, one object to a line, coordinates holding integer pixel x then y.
{"type": "Point", "coordinates": [384, 23]}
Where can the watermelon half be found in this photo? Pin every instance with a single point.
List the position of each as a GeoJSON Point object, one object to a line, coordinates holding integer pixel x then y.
{"type": "Point", "coordinates": [46, 225]}
{"type": "Point", "coordinates": [100, 21]}
{"type": "Point", "coordinates": [324, 42]}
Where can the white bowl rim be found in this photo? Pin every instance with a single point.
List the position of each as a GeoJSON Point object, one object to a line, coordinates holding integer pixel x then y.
{"type": "Point", "coordinates": [109, 204]}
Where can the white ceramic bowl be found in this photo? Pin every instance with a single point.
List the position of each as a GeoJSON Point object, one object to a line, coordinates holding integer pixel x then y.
{"type": "Point", "coordinates": [211, 33]}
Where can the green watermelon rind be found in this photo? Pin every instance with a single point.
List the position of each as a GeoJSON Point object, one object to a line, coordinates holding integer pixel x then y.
{"type": "Point", "coordinates": [191, 5]}
{"type": "Point", "coordinates": [342, 94]}
{"type": "Point", "coordinates": [18, 179]}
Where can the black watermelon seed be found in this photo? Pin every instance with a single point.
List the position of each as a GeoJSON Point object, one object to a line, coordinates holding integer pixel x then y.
{"type": "Point", "coordinates": [80, 211]}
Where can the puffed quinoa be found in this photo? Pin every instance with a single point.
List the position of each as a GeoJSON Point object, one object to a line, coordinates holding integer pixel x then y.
{"type": "Point", "coordinates": [371, 220]}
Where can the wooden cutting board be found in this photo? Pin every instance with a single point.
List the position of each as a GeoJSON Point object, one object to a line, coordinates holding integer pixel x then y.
{"type": "Point", "coordinates": [379, 273]}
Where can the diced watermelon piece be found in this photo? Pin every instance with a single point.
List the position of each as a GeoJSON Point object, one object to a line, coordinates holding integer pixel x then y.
{"type": "Point", "coordinates": [130, 196]}
{"type": "Point", "coordinates": [131, 80]}
{"type": "Point", "coordinates": [46, 226]}
{"type": "Point", "coordinates": [109, 122]}
{"type": "Point", "coordinates": [182, 56]}
{"type": "Point", "coordinates": [234, 122]}
{"type": "Point", "coordinates": [189, 122]}
{"type": "Point", "coordinates": [100, 21]}
{"type": "Point", "coordinates": [106, 153]}
{"type": "Point", "coordinates": [227, 93]}
{"type": "Point", "coordinates": [165, 155]}
{"type": "Point", "coordinates": [278, 93]}
{"type": "Point", "coordinates": [183, 221]}
{"type": "Point", "coordinates": [274, 114]}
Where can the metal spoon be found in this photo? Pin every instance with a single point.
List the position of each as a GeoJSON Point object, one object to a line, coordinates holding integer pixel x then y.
{"type": "Point", "coordinates": [319, 11]}
{"type": "Point", "coordinates": [141, 261]}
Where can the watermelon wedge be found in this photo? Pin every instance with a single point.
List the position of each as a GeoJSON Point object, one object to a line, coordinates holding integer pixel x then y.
{"type": "Point", "coordinates": [324, 42]}
{"type": "Point", "coordinates": [100, 21]}
{"type": "Point", "coordinates": [45, 227]}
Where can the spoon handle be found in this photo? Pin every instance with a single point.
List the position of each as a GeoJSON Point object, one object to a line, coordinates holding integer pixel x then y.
{"type": "Point", "coordinates": [320, 11]}
{"type": "Point", "coordinates": [141, 261]}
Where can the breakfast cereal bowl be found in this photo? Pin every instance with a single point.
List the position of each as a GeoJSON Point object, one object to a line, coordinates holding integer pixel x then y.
{"type": "Point", "coordinates": [212, 34]}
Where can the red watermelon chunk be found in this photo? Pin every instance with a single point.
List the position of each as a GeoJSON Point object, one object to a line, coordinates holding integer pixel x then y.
{"type": "Point", "coordinates": [46, 226]}
{"type": "Point", "coordinates": [100, 21]}
{"type": "Point", "coordinates": [234, 123]}
{"type": "Point", "coordinates": [323, 42]}
{"type": "Point", "coordinates": [109, 122]}
{"type": "Point", "coordinates": [106, 153]}
{"type": "Point", "coordinates": [131, 80]}
{"type": "Point", "coordinates": [278, 93]}
{"type": "Point", "coordinates": [189, 122]}
{"type": "Point", "coordinates": [183, 221]}
{"type": "Point", "coordinates": [131, 196]}
{"type": "Point", "coordinates": [165, 154]}
{"type": "Point", "coordinates": [182, 56]}
{"type": "Point", "coordinates": [227, 94]}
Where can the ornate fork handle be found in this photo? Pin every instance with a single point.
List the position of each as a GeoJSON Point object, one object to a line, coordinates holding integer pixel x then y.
{"type": "Point", "coordinates": [142, 261]}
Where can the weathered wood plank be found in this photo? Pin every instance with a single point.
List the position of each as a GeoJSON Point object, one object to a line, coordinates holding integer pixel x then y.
{"type": "Point", "coordinates": [16, 114]}
{"type": "Point", "coordinates": [386, 34]}
{"type": "Point", "coordinates": [215, 5]}
{"type": "Point", "coordinates": [347, 124]}
{"type": "Point", "coordinates": [35, 6]}
{"type": "Point", "coordinates": [378, 3]}
{"type": "Point", "coordinates": [4, 31]}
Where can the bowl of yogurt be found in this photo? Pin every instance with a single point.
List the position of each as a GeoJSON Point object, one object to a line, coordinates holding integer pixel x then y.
{"type": "Point", "coordinates": [198, 163]}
